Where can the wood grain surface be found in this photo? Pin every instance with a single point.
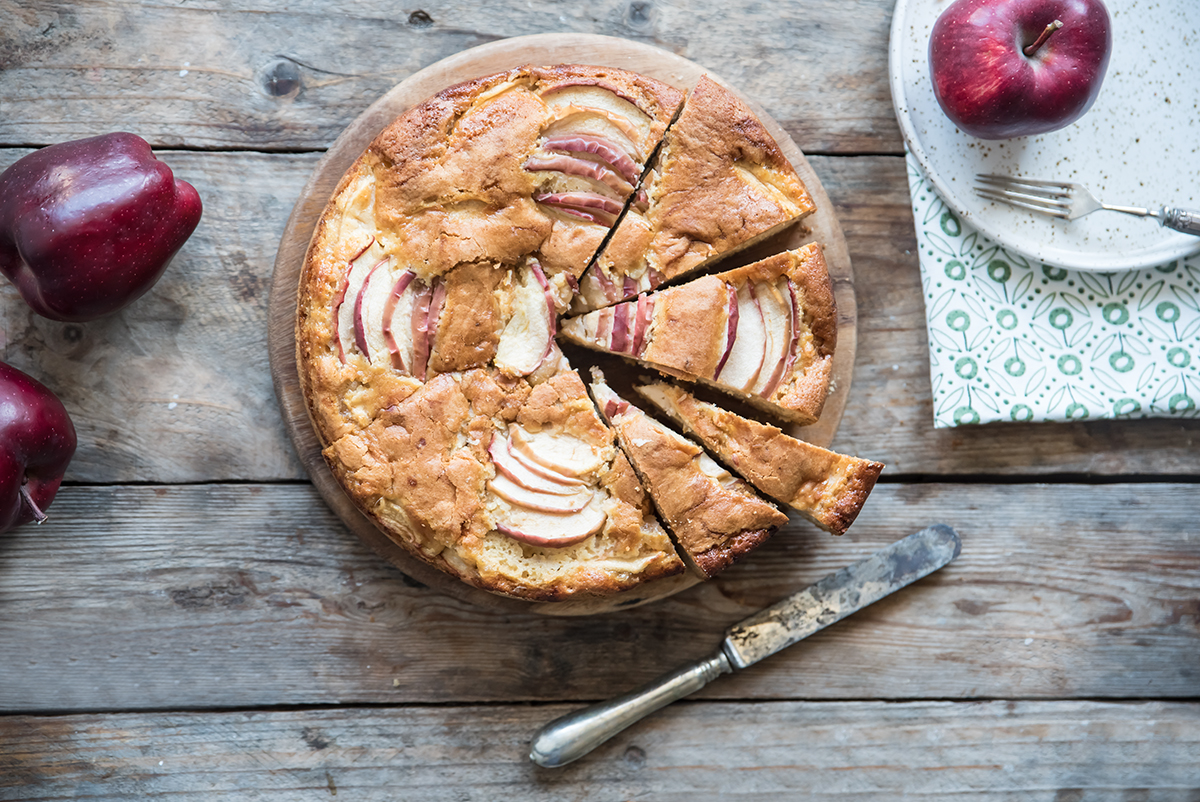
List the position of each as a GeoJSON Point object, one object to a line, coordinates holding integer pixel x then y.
{"type": "Point", "coordinates": [269, 77]}
{"type": "Point", "coordinates": [194, 622]}
{"type": "Point", "coordinates": [201, 334]}
{"type": "Point", "coordinates": [991, 751]}
{"type": "Point", "coordinates": [234, 596]}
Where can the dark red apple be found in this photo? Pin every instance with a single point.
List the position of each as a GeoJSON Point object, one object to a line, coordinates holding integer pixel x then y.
{"type": "Point", "coordinates": [87, 226]}
{"type": "Point", "coordinates": [1009, 68]}
{"type": "Point", "coordinates": [37, 441]}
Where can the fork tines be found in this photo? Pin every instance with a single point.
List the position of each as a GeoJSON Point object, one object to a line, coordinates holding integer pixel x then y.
{"type": "Point", "coordinates": [1047, 197]}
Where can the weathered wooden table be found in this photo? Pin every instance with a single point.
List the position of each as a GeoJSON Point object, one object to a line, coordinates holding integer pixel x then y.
{"type": "Point", "coordinates": [193, 621]}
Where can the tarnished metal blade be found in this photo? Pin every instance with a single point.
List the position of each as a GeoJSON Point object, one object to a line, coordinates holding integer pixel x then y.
{"type": "Point", "coordinates": [840, 594]}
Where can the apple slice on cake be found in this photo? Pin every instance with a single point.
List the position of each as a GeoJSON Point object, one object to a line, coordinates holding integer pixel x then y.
{"type": "Point", "coordinates": [825, 487]}
{"type": "Point", "coordinates": [765, 332]}
{"type": "Point", "coordinates": [714, 517]}
{"type": "Point", "coordinates": [720, 183]}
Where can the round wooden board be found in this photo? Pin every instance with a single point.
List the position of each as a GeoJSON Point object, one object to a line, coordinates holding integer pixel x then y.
{"type": "Point", "coordinates": [564, 48]}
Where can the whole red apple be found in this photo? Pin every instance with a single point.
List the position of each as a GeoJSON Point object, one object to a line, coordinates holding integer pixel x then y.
{"type": "Point", "coordinates": [1008, 68]}
{"type": "Point", "coordinates": [37, 441]}
{"type": "Point", "coordinates": [87, 226]}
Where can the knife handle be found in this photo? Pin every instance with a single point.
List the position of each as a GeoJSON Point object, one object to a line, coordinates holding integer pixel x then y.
{"type": "Point", "coordinates": [574, 735]}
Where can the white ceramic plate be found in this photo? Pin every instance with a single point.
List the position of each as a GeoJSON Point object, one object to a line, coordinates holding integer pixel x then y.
{"type": "Point", "coordinates": [1139, 145]}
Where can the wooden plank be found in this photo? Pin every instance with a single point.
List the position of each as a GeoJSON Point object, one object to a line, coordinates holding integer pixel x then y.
{"type": "Point", "coordinates": [268, 77]}
{"type": "Point", "coordinates": [161, 597]}
{"type": "Point", "coordinates": [983, 752]}
{"type": "Point", "coordinates": [177, 387]}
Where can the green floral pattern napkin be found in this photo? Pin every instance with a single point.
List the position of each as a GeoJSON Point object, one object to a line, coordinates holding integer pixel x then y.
{"type": "Point", "coordinates": [1015, 340]}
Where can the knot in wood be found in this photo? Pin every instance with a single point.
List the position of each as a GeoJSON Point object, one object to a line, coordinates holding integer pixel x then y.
{"type": "Point", "coordinates": [281, 78]}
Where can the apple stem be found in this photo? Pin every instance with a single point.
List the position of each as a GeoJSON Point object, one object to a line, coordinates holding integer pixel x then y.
{"type": "Point", "coordinates": [1051, 28]}
{"type": "Point", "coordinates": [38, 515]}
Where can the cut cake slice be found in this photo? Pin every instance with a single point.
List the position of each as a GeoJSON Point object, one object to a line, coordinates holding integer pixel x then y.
{"type": "Point", "coordinates": [719, 184]}
{"type": "Point", "coordinates": [827, 488]}
{"type": "Point", "coordinates": [765, 332]}
{"type": "Point", "coordinates": [714, 517]}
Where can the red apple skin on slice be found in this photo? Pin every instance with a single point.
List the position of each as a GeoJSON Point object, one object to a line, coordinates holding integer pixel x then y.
{"type": "Point", "coordinates": [777, 322]}
{"type": "Point", "coordinates": [587, 205]}
{"type": "Point", "coordinates": [785, 291]}
{"type": "Point", "coordinates": [573, 165]}
{"type": "Point", "coordinates": [641, 323]}
{"type": "Point", "coordinates": [340, 298]}
{"type": "Point", "coordinates": [731, 328]}
{"type": "Point", "coordinates": [371, 315]}
{"type": "Point", "coordinates": [620, 329]}
{"type": "Point", "coordinates": [598, 146]}
{"type": "Point", "coordinates": [420, 330]}
{"type": "Point", "coordinates": [746, 357]}
{"type": "Point", "coordinates": [344, 315]}
{"type": "Point", "coordinates": [394, 306]}
{"type": "Point", "coordinates": [551, 304]}
{"type": "Point", "coordinates": [550, 530]}
{"type": "Point", "coordinates": [528, 335]}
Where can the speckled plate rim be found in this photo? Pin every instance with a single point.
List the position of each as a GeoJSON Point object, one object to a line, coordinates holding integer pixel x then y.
{"type": "Point", "coordinates": [1179, 246]}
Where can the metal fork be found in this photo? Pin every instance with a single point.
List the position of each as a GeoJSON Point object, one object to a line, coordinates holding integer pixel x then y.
{"type": "Point", "coordinates": [1069, 201]}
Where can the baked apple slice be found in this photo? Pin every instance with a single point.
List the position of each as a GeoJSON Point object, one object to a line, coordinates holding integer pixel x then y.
{"type": "Point", "coordinates": [765, 332]}
{"type": "Point", "coordinates": [827, 488]}
{"type": "Point", "coordinates": [598, 133]}
{"type": "Point", "coordinates": [715, 517]}
{"type": "Point", "coordinates": [527, 339]}
{"type": "Point", "coordinates": [719, 184]}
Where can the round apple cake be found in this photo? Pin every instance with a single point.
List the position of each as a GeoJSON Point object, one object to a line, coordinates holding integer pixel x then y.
{"type": "Point", "coordinates": [430, 298]}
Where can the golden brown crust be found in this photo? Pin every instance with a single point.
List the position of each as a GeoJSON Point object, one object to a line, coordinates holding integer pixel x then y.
{"type": "Point", "coordinates": [469, 326]}
{"type": "Point", "coordinates": [681, 332]}
{"type": "Point", "coordinates": [721, 183]}
{"type": "Point", "coordinates": [690, 329]}
{"type": "Point", "coordinates": [801, 395]}
{"type": "Point", "coordinates": [454, 200]}
{"type": "Point", "coordinates": [714, 519]}
{"type": "Point", "coordinates": [828, 488]}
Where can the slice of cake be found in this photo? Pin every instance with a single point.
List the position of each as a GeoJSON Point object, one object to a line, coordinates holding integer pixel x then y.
{"type": "Point", "coordinates": [720, 184]}
{"type": "Point", "coordinates": [514, 488]}
{"type": "Point", "coordinates": [826, 488]}
{"type": "Point", "coordinates": [765, 332]}
{"type": "Point", "coordinates": [714, 517]}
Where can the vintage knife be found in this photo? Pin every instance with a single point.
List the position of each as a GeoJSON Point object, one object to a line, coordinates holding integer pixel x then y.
{"type": "Point", "coordinates": [830, 600]}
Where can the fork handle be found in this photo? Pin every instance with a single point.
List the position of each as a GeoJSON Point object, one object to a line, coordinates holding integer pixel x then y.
{"type": "Point", "coordinates": [1180, 219]}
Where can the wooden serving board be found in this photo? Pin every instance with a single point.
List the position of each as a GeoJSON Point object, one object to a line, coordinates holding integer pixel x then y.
{"type": "Point", "coordinates": [821, 226]}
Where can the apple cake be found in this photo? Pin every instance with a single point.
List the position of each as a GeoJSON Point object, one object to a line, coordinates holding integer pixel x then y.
{"type": "Point", "coordinates": [428, 313]}
{"type": "Point", "coordinates": [765, 332]}
{"type": "Point", "coordinates": [720, 184]}
{"type": "Point", "coordinates": [825, 487]}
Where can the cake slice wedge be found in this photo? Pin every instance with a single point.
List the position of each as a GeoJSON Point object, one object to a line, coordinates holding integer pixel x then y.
{"type": "Point", "coordinates": [720, 183]}
{"type": "Point", "coordinates": [714, 517]}
{"type": "Point", "coordinates": [827, 488]}
{"type": "Point", "coordinates": [764, 333]}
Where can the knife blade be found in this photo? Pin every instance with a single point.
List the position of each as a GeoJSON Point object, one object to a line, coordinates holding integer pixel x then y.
{"type": "Point", "coordinates": [766, 632]}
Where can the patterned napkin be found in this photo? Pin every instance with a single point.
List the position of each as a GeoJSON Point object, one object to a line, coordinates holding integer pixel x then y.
{"type": "Point", "coordinates": [1014, 340]}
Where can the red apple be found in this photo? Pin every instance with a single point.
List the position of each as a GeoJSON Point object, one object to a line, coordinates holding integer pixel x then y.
{"type": "Point", "coordinates": [37, 441]}
{"type": "Point", "coordinates": [87, 226]}
{"type": "Point", "coordinates": [1008, 68]}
